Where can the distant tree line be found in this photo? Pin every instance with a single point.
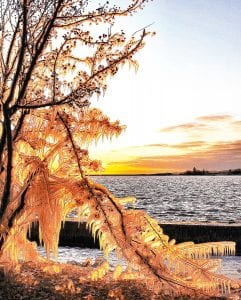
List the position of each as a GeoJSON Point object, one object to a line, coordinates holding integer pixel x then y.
{"type": "Point", "coordinates": [234, 172]}
{"type": "Point", "coordinates": [196, 171]}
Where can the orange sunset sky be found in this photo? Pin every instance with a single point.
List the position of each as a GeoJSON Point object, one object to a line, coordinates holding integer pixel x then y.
{"type": "Point", "coordinates": [183, 106]}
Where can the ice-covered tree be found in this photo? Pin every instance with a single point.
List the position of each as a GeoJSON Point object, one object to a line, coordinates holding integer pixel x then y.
{"type": "Point", "coordinates": [53, 60]}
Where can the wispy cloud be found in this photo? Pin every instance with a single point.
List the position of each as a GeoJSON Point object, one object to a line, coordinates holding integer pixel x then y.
{"type": "Point", "coordinates": [208, 122]}
{"type": "Point", "coordinates": [237, 124]}
{"type": "Point", "coordinates": [187, 126]}
{"type": "Point", "coordinates": [185, 145]}
{"type": "Point", "coordinates": [215, 118]}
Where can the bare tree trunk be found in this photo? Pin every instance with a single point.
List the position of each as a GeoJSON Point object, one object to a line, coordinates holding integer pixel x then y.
{"type": "Point", "coordinates": [8, 177]}
{"type": "Point", "coordinates": [2, 146]}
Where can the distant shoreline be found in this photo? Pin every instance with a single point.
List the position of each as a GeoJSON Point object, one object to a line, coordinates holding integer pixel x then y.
{"type": "Point", "coordinates": [168, 174]}
{"type": "Point", "coordinates": [193, 172]}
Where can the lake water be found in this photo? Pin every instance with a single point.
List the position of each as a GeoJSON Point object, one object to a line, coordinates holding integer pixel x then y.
{"type": "Point", "coordinates": [181, 198]}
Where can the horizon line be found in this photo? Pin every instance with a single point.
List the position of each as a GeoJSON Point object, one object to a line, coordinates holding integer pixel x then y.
{"type": "Point", "coordinates": [186, 172]}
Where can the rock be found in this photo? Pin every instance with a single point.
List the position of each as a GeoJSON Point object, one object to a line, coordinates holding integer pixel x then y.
{"type": "Point", "coordinates": [86, 263]}
{"type": "Point", "coordinates": [98, 261]}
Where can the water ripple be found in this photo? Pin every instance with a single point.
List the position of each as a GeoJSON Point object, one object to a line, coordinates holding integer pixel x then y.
{"type": "Point", "coordinates": [181, 198]}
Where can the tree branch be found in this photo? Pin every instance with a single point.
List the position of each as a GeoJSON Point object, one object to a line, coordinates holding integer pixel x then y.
{"type": "Point", "coordinates": [35, 58]}
{"type": "Point", "coordinates": [21, 54]}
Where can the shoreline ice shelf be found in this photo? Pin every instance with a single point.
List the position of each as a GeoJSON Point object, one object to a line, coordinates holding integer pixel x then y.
{"type": "Point", "coordinates": [75, 234]}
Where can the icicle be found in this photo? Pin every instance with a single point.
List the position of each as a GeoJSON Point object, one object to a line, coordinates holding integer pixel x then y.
{"type": "Point", "coordinates": [29, 229]}
{"type": "Point", "coordinates": [79, 216]}
{"type": "Point", "coordinates": [40, 236]}
{"type": "Point", "coordinates": [63, 223]}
